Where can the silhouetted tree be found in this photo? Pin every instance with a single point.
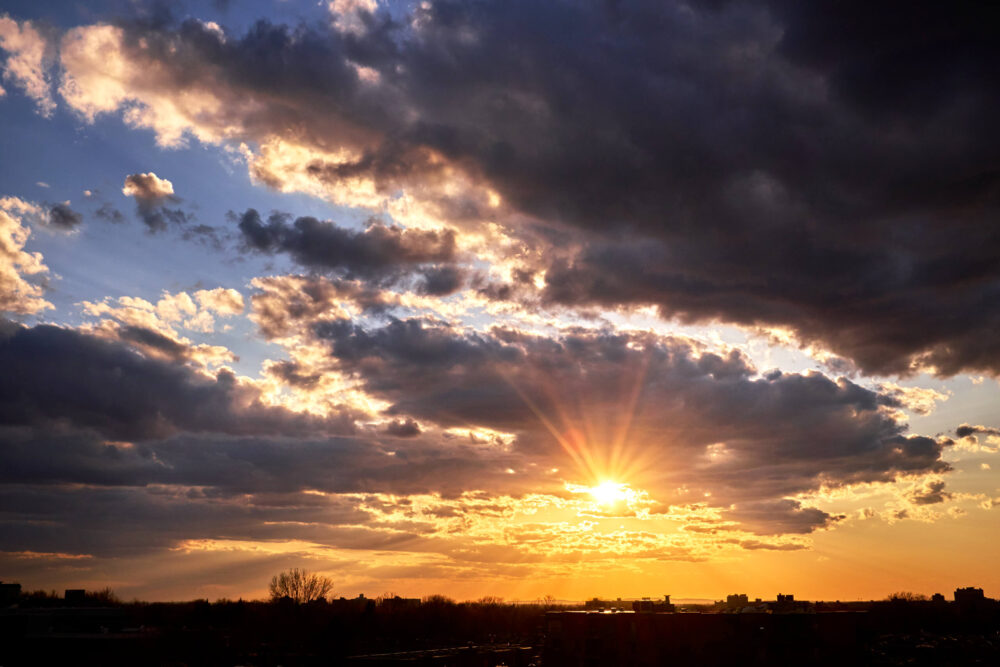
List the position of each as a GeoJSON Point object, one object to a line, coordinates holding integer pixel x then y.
{"type": "Point", "coordinates": [907, 596]}
{"type": "Point", "coordinates": [105, 596]}
{"type": "Point", "coordinates": [299, 585]}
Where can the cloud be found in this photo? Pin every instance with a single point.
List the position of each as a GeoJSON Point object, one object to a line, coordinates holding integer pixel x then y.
{"type": "Point", "coordinates": [380, 251]}
{"type": "Point", "coordinates": [694, 426]}
{"type": "Point", "coordinates": [978, 438]}
{"type": "Point", "coordinates": [285, 304]}
{"type": "Point", "coordinates": [221, 300]}
{"type": "Point", "coordinates": [920, 400]}
{"type": "Point", "coordinates": [965, 430]}
{"type": "Point", "coordinates": [685, 416]}
{"type": "Point", "coordinates": [109, 213]}
{"type": "Point", "coordinates": [403, 429]}
{"type": "Point", "coordinates": [59, 375]}
{"type": "Point", "coordinates": [147, 187]}
{"type": "Point", "coordinates": [930, 492]}
{"type": "Point", "coordinates": [151, 194]}
{"type": "Point", "coordinates": [350, 16]}
{"type": "Point", "coordinates": [17, 293]}
{"type": "Point", "coordinates": [26, 61]}
{"type": "Point", "coordinates": [63, 217]}
{"type": "Point", "coordinates": [180, 309]}
{"type": "Point", "coordinates": [783, 516]}
{"type": "Point", "coordinates": [778, 187]}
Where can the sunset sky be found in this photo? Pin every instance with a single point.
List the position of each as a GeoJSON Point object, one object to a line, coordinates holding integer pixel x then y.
{"type": "Point", "coordinates": [500, 297]}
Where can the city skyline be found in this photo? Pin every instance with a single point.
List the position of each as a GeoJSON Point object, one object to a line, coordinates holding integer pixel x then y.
{"type": "Point", "coordinates": [499, 298]}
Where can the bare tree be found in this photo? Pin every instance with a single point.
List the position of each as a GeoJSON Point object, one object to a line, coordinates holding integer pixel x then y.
{"type": "Point", "coordinates": [907, 596]}
{"type": "Point", "coordinates": [299, 585]}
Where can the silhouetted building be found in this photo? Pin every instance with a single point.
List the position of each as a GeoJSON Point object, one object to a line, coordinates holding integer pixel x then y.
{"type": "Point", "coordinates": [737, 601]}
{"type": "Point", "coordinates": [937, 598]}
{"type": "Point", "coordinates": [648, 605]}
{"type": "Point", "coordinates": [358, 604]}
{"type": "Point", "coordinates": [969, 595]}
{"type": "Point", "coordinates": [397, 602]}
{"type": "Point", "coordinates": [597, 604]}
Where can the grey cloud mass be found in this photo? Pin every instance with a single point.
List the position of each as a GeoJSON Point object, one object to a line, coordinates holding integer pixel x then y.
{"type": "Point", "coordinates": [61, 376]}
{"type": "Point", "coordinates": [760, 163]}
{"type": "Point", "coordinates": [380, 251]}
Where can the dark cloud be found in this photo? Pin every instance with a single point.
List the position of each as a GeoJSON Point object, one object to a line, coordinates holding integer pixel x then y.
{"type": "Point", "coordinates": [442, 281]}
{"type": "Point", "coordinates": [380, 251]}
{"type": "Point", "coordinates": [399, 428]}
{"type": "Point", "coordinates": [966, 430]}
{"type": "Point", "coordinates": [60, 376]}
{"type": "Point", "coordinates": [783, 516]}
{"type": "Point", "coordinates": [930, 493]}
{"type": "Point", "coordinates": [109, 213]}
{"type": "Point", "coordinates": [152, 195]}
{"type": "Point", "coordinates": [205, 235]}
{"type": "Point", "coordinates": [814, 167]}
{"type": "Point", "coordinates": [148, 339]}
{"type": "Point", "coordinates": [230, 466]}
{"type": "Point", "coordinates": [64, 217]}
{"type": "Point", "coordinates": [116, 521]}
{"type": "Point", "coordinates": [287, 305]}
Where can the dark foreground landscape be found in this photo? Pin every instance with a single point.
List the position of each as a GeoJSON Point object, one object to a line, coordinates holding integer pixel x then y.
{"type": "Point", "coordinates": [91, 628]}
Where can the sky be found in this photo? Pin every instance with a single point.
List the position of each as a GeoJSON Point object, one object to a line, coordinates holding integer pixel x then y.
{"type": "Point", "coordinates": [500, 297]}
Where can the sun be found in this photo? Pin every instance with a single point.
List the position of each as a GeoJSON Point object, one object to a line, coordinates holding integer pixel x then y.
{"type": "Point", "coordinates": [609, 493]}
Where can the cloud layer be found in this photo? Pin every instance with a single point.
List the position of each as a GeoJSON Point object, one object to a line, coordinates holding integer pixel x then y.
{"type": "Point", "coordinates": [716, 161]}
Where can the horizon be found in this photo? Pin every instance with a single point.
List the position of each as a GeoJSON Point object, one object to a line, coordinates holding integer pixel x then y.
{"type": "Point", "coordinates": [499, 297]}
{"type": "Point", "coordinates": [909, 596]}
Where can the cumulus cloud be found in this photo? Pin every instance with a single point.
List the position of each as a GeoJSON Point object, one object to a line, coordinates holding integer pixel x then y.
{"type": "Point", "coordinates": [225, 301]}
{"type": "Point", "coordinates": [152, 194]}
{"type": "Point", "coordinates": [26, 65]}
{"type": "Point", "coordinates": [17, 265]}
{"type": "Point", "coordinates": [179, 309]}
